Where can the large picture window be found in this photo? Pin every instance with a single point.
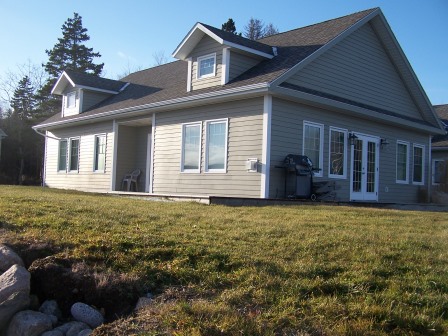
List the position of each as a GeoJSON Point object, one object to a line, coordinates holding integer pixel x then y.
{"type": "Point", "coordinates": [402, 162]}
{"type": "Point", "coordinates": [191, 148]}
{"type": "Point", "coordinates": [313, 145]}
{"type": "Point", "coordinates": [216, 146]}
{"type": "Point", "coordinates": [62, 157]}
{"type": "Point", "coordinates": [206, 66]}
{"type": "Point", "coordinates": [419, 164]}
{"type": "Point", "coordinates": [337, 153]}
{"type": "Point", "coordinates": [74, 154]}
{"type": "Point", "coordinates": [100, 153]}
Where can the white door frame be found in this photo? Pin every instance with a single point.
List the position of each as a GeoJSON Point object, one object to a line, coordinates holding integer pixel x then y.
{"type": "Point", "coordinates": [364, 195]}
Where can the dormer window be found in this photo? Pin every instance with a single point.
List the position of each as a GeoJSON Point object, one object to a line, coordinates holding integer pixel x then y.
{"type": "Point", "coordinates": [206, 66]}
{"type": "Point", "coordinates": [71, 99]}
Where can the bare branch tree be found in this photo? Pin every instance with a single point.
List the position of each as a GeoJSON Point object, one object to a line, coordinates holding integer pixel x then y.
{"type": "Point", "coordinates": [254, 30]}
{"type": "Point", "coordinates": [128, 69]}
{"type": "Point", "coordinates": [270, 29]}
{"type": "Point", "coordinates": [159, 57]}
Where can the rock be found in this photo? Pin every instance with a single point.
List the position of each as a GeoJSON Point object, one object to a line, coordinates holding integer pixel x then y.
{"type": "Point", "coordinates": [15, 279]}
{"type": "Point", "coordinates": [14, 303]}
{"type": "Point", "coordinates": [76, 329]}
{"type": "Point", "coordinates": [8, 258]}
{"type": "Point", "coordinates": [85, 332]}
{"type": "Point", "coordinates": [53, 333]}
{"type": "Point", "coordinates": [50, 307]}
{"type": "Point", "coordinates": [34, 302]}
{"type": "Point", "coordinates": [74, 325]}
{"type": "Point", "coordinates": [29, 323]}
{"type": "Point", "coordinates": [143, 302]}
{"type": "Point", "coordinates": [89, 315]}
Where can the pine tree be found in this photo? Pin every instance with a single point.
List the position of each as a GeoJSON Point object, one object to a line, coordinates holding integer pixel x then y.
{"type": "Point", "coordinates": [23, 101]}
{"type": "Point", "coordinates": [229, 26]}
{"type": "Point", "coordinates": [69, 53]}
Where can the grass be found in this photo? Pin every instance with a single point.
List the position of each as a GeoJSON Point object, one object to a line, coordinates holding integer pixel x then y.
{"type": "Point", "coordinates": [276, 270]}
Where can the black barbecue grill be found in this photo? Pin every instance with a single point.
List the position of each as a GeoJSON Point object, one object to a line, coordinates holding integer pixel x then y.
{"type": "Point", "coordinates": [298, 177]}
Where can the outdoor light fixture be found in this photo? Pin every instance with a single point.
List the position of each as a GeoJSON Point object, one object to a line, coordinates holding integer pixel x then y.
{"type": "Point", "coordinates": [352, 137]}
{"type": "Point", "coordinates": [384, 142]}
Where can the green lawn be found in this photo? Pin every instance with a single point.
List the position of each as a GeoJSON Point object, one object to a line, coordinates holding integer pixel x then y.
{"type": "Point", "coordinates": [276, 270]}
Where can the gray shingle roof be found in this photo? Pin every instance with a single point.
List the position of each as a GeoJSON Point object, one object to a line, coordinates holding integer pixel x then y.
{"type": "Point", "coordinates": [95, 81]}
{"type": "Point", "coordinates": [169, 81]}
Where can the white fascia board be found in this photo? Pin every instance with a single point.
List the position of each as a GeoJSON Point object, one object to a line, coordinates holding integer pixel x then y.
{"type": "Point", "coordinates": [95, 89]}
{"type": "Point", "coordinates": [249, 50]}
{"type": "Point", "coordinates": [292, 71]}
{"type": "Point", "coordinates": [63, 75]}
{"type": "Point", "coordinates": [313, 100]}
{"type": "Point", "coordinates": [178, 52]}
{"type": "Point", "coordinates": [253, 89]}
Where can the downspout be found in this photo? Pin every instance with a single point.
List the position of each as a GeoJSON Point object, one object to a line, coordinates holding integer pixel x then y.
{"type": "Point", "coordinates": [46, 135]}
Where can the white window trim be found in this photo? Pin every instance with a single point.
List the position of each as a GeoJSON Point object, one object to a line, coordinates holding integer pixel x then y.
{"type": "Point", "coordinates": [207, 123]}
{"type": "Point", "coordinates": [341, 130]}
{"type": "Point", "coordinates": [408, 147]}
{"type": "Point", "coordinates": [95, 153]}
{"type": "Point", "coordinates": [423, 164]}
{"type": "Point", "coordinates": [66, 156]}
{"type": "Point", "coordinates": [319, 173]}
{"type": "Point", "coordinates": [189, 171]}
{"type": "Point", "coordinates": [433, 166]}
{"type": "Point", "coordinates": [69, 154]}
{"type": "Point", "coordinates": [201, 58]}
{"type": "Point", "coordinates": [67, 100]}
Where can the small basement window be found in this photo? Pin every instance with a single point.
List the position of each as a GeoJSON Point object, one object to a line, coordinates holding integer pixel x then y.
{"type": "Point", "coordinates": [206, 66]}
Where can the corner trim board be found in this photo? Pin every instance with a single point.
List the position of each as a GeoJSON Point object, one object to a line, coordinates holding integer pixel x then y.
{"type": "Point", "coordinates": [266, 148]}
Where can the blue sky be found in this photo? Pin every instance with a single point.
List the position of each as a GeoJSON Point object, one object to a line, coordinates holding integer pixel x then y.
{"type": "Point", "coordinates": [128, 33]}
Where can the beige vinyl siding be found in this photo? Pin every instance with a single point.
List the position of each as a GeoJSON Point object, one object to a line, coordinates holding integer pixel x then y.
{"type": "Point", "coordinates": [205, 47]}
{"type": "Point", "coordinates": [240, 63]}
{"type": "Point", "coordinates": [358, 68]}
{"type": "Point", "coordinates": [91, 98]}
{"type": "Point", "coordinates": [287, 135]}
{"type": "Point", "coordinates": [245, 124]}
{"type": "Point", "coordinates": [132, 151]}
{"type": "Point", "coordinates": [85, 179]}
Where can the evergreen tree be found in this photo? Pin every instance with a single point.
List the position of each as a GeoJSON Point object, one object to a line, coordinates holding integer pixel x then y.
{"type": "Point", "coordinates": [69, 53]}
{"type": "Point", "coordinates": [23, 101]}
{"type": "Point", "coordinates": [229, 26]}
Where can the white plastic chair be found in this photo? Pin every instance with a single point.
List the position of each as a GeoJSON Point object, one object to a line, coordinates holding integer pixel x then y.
{"type": "Point", "coordinates": [129, 179]}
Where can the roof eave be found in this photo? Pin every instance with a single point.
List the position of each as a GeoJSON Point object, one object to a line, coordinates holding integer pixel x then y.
{"type": "Point", "coordinates": [58, 88]}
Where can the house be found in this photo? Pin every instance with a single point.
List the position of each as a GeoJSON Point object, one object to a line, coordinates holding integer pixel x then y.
{"type": "Point", "coordinates": [221, 119]}
{"type": "Point", "coordinates": [439, 152]}
{"type": "Point", "coordinates": [2, 135]}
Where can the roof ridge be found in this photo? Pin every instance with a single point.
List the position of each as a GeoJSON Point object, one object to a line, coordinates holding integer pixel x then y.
{"type": "Point", "coordinates": [90, 75]}
{"type": "Point", "coordinates": [150, 68]}
{"type": "Point", "coordinates": [368, 11]}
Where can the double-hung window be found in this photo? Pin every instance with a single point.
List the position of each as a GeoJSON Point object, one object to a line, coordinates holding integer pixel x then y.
{"type": "Point", "coordinates": [206, 66]}
{"type": "Point", "coordinates": [74, 154]}
{"type": "Point", "coordinates": [418, 164]}
{"type": "Point", "coordinates": [62, 155]}
{"type": "Point", "coordinates": [337, 153]}
{"type": "Point", "coordinates": [402, 162]}
{"type": "Point", "coordinates": [191, 148]}
{"type": "Point", "coordinates": [71, 99]}
{"type": "Point", "coordinates": [100, 153]}
{"type": "Point", "coordinates": [313, 135]}
{"type": "Point", "coordinates": [216, 146]}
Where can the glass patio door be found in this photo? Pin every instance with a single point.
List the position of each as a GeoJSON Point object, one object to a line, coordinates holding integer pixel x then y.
{"type": "Point", "coordinates": [364, 169]}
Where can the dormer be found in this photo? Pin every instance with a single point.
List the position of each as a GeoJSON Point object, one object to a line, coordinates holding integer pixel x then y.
{"type": "Point", "coordinates": [81, 91]}
{"type": "Point", "coordinates": [215, 57]}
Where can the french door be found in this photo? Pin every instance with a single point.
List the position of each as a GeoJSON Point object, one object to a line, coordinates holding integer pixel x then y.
{"type": "Point", "coordinates": [364, 169]}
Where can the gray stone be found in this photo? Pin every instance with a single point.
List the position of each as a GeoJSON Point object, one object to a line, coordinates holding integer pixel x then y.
{"type": "Point", "coordinates": [53, 333]}
{"type": "Point", "coordinates": [14, 303]}
{"type": "Point", "coordinates": [8, 258]}
{"type": "Point", "coordinates": [65, 328]}
{"type": "Point", "coordinates": [29, 323]}
{"type": "Point", "coordinates": [85, 332]}
{"type": "Point", "coordinates": [143, 302]}
{"type": "Point", "coordinates": [15, 279]}
{"type": "Point", "coordinates": [89, 315]}
{"type": "Point", "coordinates": [50, 307]}
{"type": "Point", "coordinates": [76, 329]}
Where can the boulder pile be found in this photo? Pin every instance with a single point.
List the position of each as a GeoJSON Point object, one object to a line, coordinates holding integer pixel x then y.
{"type": "Point", "coordinates": [21, 314]}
